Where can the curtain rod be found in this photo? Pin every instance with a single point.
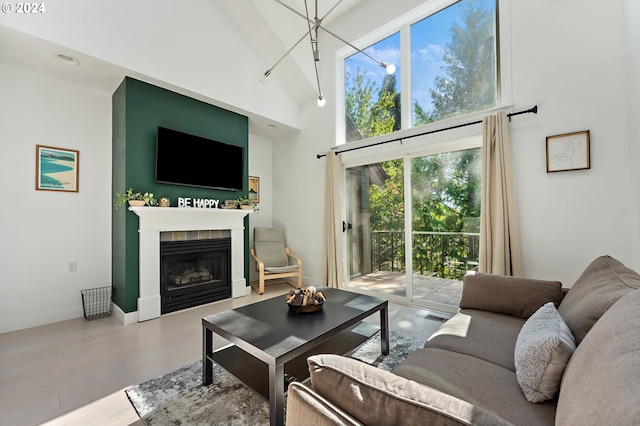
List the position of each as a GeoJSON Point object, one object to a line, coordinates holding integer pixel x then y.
{"type": "Point", "coordinates": [533, 110]}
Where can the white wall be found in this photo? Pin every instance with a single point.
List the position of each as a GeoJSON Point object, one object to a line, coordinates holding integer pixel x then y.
{"type": "Point", "coordinates": [42, 231]}
{"type": "Point", "coordinates": [578, 77]}
{"type": "Point", "coordinates": [193, 47]}
{"type": "Point", "coordinates": [298, 182]}
{"type": "Point", "coordinates": [260, 152]}
{"type": "Point", "coordinates": [632, 14]}
{"type": "Point", "coordinates": [569, 58]}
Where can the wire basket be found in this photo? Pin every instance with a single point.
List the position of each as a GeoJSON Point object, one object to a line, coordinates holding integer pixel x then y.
{"type": "Point", "coordinates": [96, 303]}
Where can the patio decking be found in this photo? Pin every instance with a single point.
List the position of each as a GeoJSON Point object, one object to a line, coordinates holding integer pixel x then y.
{"type": "Point", "coordinates": [441, 290]}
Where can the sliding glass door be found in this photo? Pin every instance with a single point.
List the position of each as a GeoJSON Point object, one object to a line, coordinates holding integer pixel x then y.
{"type": "Point", "coordinates": [437, 197]}
{"type": "Point", "coordinates": [374, 228]}
{"type": "Point", "coordinates": [445, 225]}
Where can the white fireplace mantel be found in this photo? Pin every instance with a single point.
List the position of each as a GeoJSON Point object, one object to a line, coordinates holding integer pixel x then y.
{"type": "Point", "coordinates": [154, 220]}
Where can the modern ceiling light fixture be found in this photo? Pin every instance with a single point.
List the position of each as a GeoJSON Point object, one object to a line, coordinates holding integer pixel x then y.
{"type": "Point", "coordinates": [313, 26]}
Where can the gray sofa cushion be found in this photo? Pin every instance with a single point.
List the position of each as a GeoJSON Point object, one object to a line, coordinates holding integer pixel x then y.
{"type": "Point", "coordinates": [306, 407]}
{"type": "Point", "coordinates": [601, 384]}
{"type": "Point", "coordinates": [377, 397]}
{"type": "Point", "coordinates": [602, 283]}
{"type": "Point", "coordinates": [542, 351]}
{"type": "Point", "coordinates": [519, 297]}
{"type": "Point", "coordinates": [482, 384]}
{"type": "Point", "coordinates": [473, 332]}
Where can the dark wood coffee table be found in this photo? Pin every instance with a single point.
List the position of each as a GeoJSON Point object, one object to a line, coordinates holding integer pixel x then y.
{"type": "Point", "coordinates": [270, 341]}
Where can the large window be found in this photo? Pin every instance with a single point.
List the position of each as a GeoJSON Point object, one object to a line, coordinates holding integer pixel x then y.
{"type": "Point", "coordinates": [372, 96]}
{"type": "Point", "coordinates": [453, 70]}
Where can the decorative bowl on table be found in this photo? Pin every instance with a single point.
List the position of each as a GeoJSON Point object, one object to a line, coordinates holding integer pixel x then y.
{"type": "Point", "coordinates": [305, 300]}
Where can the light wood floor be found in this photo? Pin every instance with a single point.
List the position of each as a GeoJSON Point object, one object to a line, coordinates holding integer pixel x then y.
{"type": "Point", "coordinates": [74, 372]}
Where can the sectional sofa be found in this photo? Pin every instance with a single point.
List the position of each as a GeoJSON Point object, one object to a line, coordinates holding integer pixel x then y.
{"type": "Point", "coordinates": [518, 352]}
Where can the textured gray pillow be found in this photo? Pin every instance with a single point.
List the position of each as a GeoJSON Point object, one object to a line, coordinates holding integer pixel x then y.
{"type": "Point", "coordinates": [543, 348]}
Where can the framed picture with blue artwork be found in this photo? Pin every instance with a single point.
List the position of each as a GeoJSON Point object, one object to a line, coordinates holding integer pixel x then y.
{"type": "Point", "coordinates": [57, 169]}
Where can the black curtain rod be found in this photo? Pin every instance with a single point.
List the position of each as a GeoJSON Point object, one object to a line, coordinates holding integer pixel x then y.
{"type": "Point", "coordinates": [533, 110]}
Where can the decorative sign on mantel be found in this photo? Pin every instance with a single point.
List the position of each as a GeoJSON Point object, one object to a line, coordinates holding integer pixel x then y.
{"type": "Point", "coordinates": [203, 203]}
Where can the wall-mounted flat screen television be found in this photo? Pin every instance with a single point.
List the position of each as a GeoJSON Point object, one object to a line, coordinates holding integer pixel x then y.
{"type": "Point", "coordinates": [190, 160]}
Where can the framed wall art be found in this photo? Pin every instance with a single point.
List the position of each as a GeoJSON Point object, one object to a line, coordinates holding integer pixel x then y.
{"type": "Point", "coordinates": [57, 169]}
{"type": "Point", "coordinates": [569, 151]}
{"type": "Point", "coordinates": [254, 189]}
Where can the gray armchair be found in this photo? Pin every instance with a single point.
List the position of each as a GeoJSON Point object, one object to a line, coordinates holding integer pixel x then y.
{"type": "Point", "coordinates": [273, 258]}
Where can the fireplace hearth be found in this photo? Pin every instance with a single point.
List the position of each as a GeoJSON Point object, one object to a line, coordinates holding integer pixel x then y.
{"type": "Point", "coordinates": [194, 272]}
{"type": "Point", "coordinates": [154, 222]}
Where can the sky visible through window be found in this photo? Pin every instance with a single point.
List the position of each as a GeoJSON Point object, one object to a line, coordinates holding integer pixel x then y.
{"type": "Point", "coordinates": [429, 39]}
{"type": "Point", "coordinates": [387, 50]}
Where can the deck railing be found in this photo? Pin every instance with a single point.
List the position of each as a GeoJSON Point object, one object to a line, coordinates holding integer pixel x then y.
{"type": "Point", "coordinates": [437, 254]}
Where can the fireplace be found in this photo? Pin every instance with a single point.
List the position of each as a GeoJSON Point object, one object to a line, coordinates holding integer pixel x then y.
{"type": "Point", "coordinates": [194, 272]}
{"type": "Point", "coordinates": [157, 220]}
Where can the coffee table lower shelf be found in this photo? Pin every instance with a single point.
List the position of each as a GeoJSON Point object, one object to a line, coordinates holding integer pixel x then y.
{"type": "Point", "coordinates": [254, 373]}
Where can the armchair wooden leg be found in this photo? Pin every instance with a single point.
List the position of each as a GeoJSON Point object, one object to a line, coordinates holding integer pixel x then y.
{"type": "Point", "coordinates": [261, 288]}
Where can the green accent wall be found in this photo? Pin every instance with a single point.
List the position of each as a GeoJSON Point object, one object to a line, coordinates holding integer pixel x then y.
{"type": "Point", "coordinates": [138, 110]}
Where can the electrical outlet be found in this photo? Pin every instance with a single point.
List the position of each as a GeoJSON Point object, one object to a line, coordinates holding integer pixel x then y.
{"type": "Point", "coordinates": [72, 266]}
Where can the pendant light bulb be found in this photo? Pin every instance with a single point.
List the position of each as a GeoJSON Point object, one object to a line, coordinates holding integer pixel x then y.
{"type": "Point", "coordinates": [391, 69]}
{"type": "Point", "coordinates": [264, 76]}
{"type": "Point", "coordinates": [321, 100]}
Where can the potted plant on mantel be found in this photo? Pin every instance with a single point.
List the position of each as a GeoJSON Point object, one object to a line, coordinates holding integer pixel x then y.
{"type": "Point", "coordinates": [246, 203]}
{"type": "Point", "coordinates": [135, 199]}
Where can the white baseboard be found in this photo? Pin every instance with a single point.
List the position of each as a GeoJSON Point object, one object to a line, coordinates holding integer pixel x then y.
{"type": "Point", "coordinates": [125, 318]}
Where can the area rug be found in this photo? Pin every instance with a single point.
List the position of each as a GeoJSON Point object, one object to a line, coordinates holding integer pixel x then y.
{"type": "Point", "coordinates": [178, 398]}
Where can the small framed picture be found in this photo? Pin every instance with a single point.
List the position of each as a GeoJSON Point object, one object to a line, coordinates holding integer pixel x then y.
{"type": "Point", "coordinates": [57, 169]}
{"type": "Point", "coordinates": [254, 189]}
{"type": "Point", "coordinates": [569, 151]}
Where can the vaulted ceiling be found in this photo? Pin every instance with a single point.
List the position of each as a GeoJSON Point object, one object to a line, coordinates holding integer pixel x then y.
{"type": "Point", "coordinates": [273, 28]}
{"type": "Point", "coordinates": [268, 26]}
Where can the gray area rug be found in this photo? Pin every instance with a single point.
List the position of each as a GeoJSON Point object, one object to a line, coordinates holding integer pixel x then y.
{"type": "Point", "coordinates": [178, 398]}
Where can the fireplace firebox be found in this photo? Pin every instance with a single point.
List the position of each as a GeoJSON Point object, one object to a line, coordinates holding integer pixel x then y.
{"type": "Point", "coordinates": [194, 272]}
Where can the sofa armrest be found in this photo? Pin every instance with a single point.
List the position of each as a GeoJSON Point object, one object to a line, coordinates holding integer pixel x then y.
{"type": "Point", "coordinates": [306, 407]}
{"type": "Point", "coordinates": [515, 296]}
{"type": "Point", "coordinates": [374, 396]}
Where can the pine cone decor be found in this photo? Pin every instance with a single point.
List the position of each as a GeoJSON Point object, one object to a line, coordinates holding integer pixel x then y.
{"type": "Point", "coordinates": [305, 299]}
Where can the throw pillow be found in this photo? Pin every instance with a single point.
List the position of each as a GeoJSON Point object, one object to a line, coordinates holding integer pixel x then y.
{"type": "Point", "coordinates": [602, 283]}
{"type": "Point", "coordinates": [515, 296]}
{"type": "Point", "coordinates": [543, 348]}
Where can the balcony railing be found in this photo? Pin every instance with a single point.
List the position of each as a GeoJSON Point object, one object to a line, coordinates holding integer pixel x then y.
{"type": "Point", "coordinates": [437, 254]}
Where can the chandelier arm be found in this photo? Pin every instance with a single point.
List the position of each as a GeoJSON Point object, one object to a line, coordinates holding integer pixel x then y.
{"type": "Point", "coordinates": [315, 24]}
{"type": "Point", "coordinates": [318, 79]}
{"type": "Point", "coordinates": [330, 10]}
{"type": "Point", "coordinates": [289, 51]}
{"type": "Point", "coordinates": [302, 14]}
{"type": "Point", "coordinates": [313, 51]}
{"type": "Point", "coordinates": [319, 25]}
{"type": "Point", "coordinates": [379, 62]}
{"type": "Point", "coordinates": [306, 9]}
{"type": "Point", "coordinates": [291, 9]}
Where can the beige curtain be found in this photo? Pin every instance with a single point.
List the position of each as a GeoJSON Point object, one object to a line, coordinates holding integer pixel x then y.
{"type": "Point", "coordinates": [331, 250]}
{"type": "Point", "coordinates": [499, 239]}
